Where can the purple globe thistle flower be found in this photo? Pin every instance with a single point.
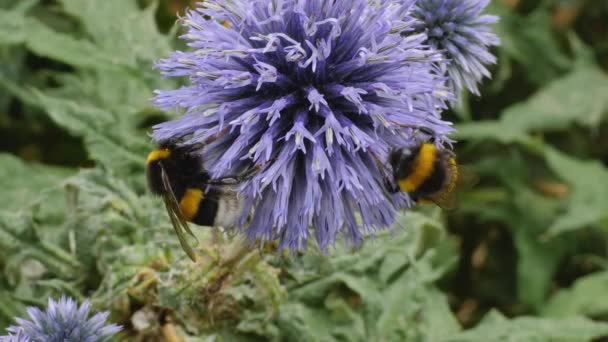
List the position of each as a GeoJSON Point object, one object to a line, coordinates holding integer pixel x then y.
{"type": "Point", "coordinates": [63, 321]}
{"type": "Point", "coordinates": [458, 28]}
{"type": "Point", "coordinates": [312, 93]}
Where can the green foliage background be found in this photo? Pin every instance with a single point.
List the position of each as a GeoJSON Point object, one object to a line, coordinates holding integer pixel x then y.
{"type": "Point", "coordinates": [524, 258]}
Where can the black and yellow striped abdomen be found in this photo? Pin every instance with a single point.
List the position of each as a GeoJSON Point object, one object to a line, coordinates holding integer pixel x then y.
{"type": "Point", "coordinates": [424, 172]}
{"type": "Point", "coordinates": [200, 207]}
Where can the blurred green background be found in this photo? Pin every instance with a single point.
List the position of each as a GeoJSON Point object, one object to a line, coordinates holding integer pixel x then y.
{"type": "Point", "coordinates": [524, 258]}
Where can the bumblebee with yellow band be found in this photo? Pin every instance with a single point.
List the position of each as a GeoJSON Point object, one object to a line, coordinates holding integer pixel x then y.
{"type": "Point", "coordinates": [428, 174]}
{"type": "Point", "coordinates": [176, 173]}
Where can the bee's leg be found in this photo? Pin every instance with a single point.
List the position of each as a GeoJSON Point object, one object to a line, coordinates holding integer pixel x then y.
{"type": "Point", "coordinates": [231, 180]}
{"type": "Point", "coordinates": [248, 173]}
{"type": "Point", "coordinates": [223, 181]}
{"type": "Point", "coordinates": [390, 186]}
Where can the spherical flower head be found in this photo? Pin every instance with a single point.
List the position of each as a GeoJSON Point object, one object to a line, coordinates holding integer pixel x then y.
{"type": "Point", "coordinates": [63, 321]}
{"type": "Point", "coordinates": [313, 94]}
{"type": "Point", "coordinates": [458, 28]}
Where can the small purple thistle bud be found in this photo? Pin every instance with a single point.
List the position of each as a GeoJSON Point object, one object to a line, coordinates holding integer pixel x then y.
{"type": "Point", "coordinates": [463, 34]}
{"type": "Point", "coordinates": [64, 320]}
{"type": "Point", "coordinates": [312, 93]}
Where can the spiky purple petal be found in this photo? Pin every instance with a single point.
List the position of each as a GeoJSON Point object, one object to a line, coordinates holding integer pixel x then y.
{"type": "Point", "coordinates": [18, 337]}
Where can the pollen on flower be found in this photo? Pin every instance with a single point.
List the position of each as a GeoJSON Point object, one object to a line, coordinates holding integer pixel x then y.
{"type": "Point", "coordinates": [312, 93]}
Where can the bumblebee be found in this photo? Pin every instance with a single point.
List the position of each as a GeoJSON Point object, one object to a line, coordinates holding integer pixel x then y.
{"type": "Point", "coordinates": [428, 175]}
{"type": "Point", "coordinates": [176, 173]}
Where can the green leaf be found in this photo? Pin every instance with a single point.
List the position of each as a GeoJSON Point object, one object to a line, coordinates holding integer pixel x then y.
{"type": "Point", "coordinates": [495, 327]}
{"type": "Point", "coordinates": [412, 309]}
{"type": "Point", "coordinates": [538, 259]}
{"type": "Point", "coordinates": [575, 98]}
{"type": "Point", "coordinates": [384, 291]}
{"type": "Point", "coordinates": [9, 308]}
{"type": "Point", "coordinates": [107, 139]}
{"type": "Point", "coordinates": [121, 27]}
{"type": "Point", "coordinates": [587, 296]}
{"type": "Point", "coordinates": [300, 323]}
{"type": "Point", "coordinates": [496, 130]}
{"type": "Point", "coordinates": [45, 42]}
{"type": "Point", "coordinates": [18, 29]}
{"type": "Point", "coordinates": [130, 35]}
{"type": "Point", "coordinates": [537, 263]}
{"type": "Point", "coordinates": [588, 199]}
{"type": "Point", "coordinates": [122, 78]}
{"type": "Point", "coordinates": [12, 27]}
{"type": "Point", "coordinates": [123, 35]}
{"type": "Point", "coordinates": [530, 41]}
{"type": "Point", "coordinates": [24, 184]}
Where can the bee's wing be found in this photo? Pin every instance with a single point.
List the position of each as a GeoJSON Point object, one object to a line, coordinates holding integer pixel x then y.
{"type": "Point", "coordinates": [445, 200]}
{"type": "Point", "coordinates": [177, 220]}
{"type": "Point", "coordinates": [387, 181]}
{"type": "Point", "coordinates": [465, 179]}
